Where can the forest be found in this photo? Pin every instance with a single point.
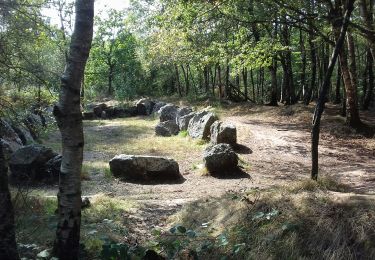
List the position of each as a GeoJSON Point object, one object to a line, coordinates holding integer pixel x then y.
{"type": "Point", "coordinates": [187, 129]}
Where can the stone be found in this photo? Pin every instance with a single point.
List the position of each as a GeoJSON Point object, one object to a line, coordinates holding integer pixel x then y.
{"type": "Point", "coordinates": [183, 121]}
{"type": "Point", "coordinates": [157, 107]}
{"type": "Point", "coordinates": [104, 115]}
{"type": "Point", "coordinates": [109, 112]}
{"type": "Point", "coordinates": [145, 106]}
{"type": "Point", "coordinates": [168, 112]}
{"type": "Point", "coordinates": [88, 115]}
{"type": "Point", "coordinates": [223, 133]}
{"type": "Point", "coordinates": [145, 169]}
{"type": "Point", "coordinates": [29, 163]}
{"type": "Point", "coordinates": [53, 165]}
{"type": "Point", "coordinates": [23, 133]}
{"type": "Point", "coordinates": [199, 125]}
{"type": "Point", "coordinates": [10, 138]}
{"type": "Point", "coordinates": [183, 111]}
{"type": "Point", "coordinates": [98, 109]}
{"type": "Point", "coordinates": [34, 123]}
{"type": "Point", "coordinates": [166, 128]}
{"type": "Point", "coordinates": [220, 158]}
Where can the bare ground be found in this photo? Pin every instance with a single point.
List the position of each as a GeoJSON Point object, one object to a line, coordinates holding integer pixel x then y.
{"type": "Point", "coordinates": [275, 150]}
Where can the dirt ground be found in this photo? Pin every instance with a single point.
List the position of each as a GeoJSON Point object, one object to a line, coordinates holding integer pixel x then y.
{"type": "Point", "coordinates": [274, 150]}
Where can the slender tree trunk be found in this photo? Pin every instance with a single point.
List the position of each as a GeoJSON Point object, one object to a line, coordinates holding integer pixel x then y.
{"type": "Point", "coordinates": [178, 80]}
{"type": "Point", "coordinates": [8, 245]}
{"type": "Point", "coordinates": [273, 95]}
{"type": "Point", "coordinates": [252, 83]}
{"type": "Point", "coordinates": [245, 83]}
{"type": "Point", "coordinates": [366, 12]}
{"type": "Point", "coordinates": [304, 61]}
{"type": "Point", "coordinates": [206, 78]}
{"type": "Point", "coordinates": [220, 83]}
{"type": "Point", "coordinates": [319, 109]}
{"type": "Point", "coordinates": [350, 81]}
{"type": "Point", "coordinates": [370, 87]}
{"type": "Point", "coordinates": [338, 85]}
{"type": "Point", "coordinates": [308, 95]}
{"type": "Point", "coordinates": [227, 87]}
{"type": "Point", "coordinates": [110, 79]}
{"type": "Point", "coordinates": [69, 120]}
{"type": "Point", "coordinates": [187, 82]}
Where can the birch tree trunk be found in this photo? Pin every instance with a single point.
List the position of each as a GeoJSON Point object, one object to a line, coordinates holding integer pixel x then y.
{"type": "Point", "coordinates": [69, 120]}
{"type": "Point", "coordinates": [8, 245]}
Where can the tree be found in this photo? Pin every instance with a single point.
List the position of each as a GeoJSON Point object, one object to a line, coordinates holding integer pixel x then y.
{"type": "Point", "coordinates": [69, 120]}
{"type": "Point", "coordinates": [8, 245]}
{"type": "Point", "coordinates": [319, 109]}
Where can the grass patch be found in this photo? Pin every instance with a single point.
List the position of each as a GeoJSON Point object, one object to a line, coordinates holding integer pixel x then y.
{"type": "Point", "coordinates": [325, 183]}
{"type": "Point", "coordinates": [183, 133]}
{"type": "Point", "coordinates": [36, 221]}
{"type": "Point", "coordinates": [275, 224]}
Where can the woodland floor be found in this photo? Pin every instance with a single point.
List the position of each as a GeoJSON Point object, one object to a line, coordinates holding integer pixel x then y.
{"type": "Point", "coordinates": [274, 150]}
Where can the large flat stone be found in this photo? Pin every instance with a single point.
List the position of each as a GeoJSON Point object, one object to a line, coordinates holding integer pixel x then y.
{"type": "Point", "coordinates": [145, 169]}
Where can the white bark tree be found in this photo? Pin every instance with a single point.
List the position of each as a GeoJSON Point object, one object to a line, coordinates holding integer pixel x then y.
{"type": "Point", "coordinates": [69, 119]}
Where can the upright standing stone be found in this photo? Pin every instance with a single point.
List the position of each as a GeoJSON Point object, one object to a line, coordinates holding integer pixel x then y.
{"type": "Point", "coordinates": [199, 126]}
{"type": "Point", "coordinates": [223, 133]}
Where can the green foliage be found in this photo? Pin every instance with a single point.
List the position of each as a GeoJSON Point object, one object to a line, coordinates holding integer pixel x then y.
{"type": "Point", "coordinates": [119, 251]}
{"type": "Point", "coordinates": [114, 66]}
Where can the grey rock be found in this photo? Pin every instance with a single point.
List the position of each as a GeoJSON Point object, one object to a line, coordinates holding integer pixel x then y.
{"type": "Point", "coordinates": [104, 115]}
{"type": "Point", "coordinates": [168, 112]}
{"type": "Point", "coordinates": [53, 165]}
{"type": "Point", "coordinates": [148, 169]}
{"type": "Point", "coordinates": [98, 109]}
{"type": "Point", "coordinates": [34, 123]}
{"type": "Point", "coordinates": [145, 106]}
{"type": "Point", "coordinates": [183, 121]}
{"type": "Point", "coordinates": [223, 133]}
{"type": "Point", "coordinates": [88, 115]}
{"type": "Point", "coordinates": [10, 138]}
{"type": "Point", "coordinates": [166, 128]}
{"type": "Point", "coordinates": [29, 163]}
{"type": "Point", "coordinates": [23, 133]}
{"type": "Point", "coordinates": [183, 111]}
{"type": "Point", "coordinates": [220, 158]}
{"type": "Point", "coordinates": [157, 107]}
{"type": "Point", "coordinates": [199, 125]}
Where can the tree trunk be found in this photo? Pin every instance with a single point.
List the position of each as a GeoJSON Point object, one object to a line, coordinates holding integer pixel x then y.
{"type": "Point", "coordinates": [308, 95]}
{"type": "Point", "coordinates": [178, 80]}
{"type": "Point", "coordinates": [110, 79]}
{"type": "Point", "coordinates": [220, 83]}
{"type": "Point", "coordinates": [245, 83]}
{"type": "Point", "coordinates": [8, 245]}
{"type": "Point", "coordinates": [350, 82]}
{"type": "Point", "coordinates": [206, 78]}
{"type": "Point", "coordinates": [338, 85]}
{"type": "Point", "coordinates": [370, 86]}
{"type": "Point", "coordinates": [69, 120]}
{"type": "Point", "coordinates": [273, 95]}
{"type": "Point", "coordinates": [287, 67]}
{"type": "Point", "coordinates": [303, 60]}
{"type": "Point", "coordinates": [252, 83]}
{"type": "Point", "coordinates": [366, 12]}
{"type": "Point", "coordinates": [319, 109]}
{"type": "Point", "coordinates": [187, 82]}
